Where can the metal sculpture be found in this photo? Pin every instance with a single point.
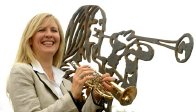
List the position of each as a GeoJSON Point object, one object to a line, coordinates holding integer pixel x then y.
{"type": "Point", "coordinates": [84, 27]}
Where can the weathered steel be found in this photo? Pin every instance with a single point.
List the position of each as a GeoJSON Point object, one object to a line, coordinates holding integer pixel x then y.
{"type": "Point", "coordinates": [80, 47]}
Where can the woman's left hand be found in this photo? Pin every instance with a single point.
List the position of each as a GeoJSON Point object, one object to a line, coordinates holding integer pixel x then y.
{"type": "Point", "coordinates": [106, 79]}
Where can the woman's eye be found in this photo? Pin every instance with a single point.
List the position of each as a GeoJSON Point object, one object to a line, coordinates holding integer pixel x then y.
{"type": "Point", "coordinates": [45, 29]}
{"type": "Point", "coordinates": [54, 30]}
{"type": "Point", "coordinates": [41, 30]}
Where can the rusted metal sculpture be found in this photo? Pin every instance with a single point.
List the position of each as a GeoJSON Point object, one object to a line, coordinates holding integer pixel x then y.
{"type": "Point", "coordinates": [84, 27]}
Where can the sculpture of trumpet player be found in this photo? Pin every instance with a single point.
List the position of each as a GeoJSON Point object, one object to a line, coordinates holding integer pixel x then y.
{"type": "Point", "coordinates": [84, 41]}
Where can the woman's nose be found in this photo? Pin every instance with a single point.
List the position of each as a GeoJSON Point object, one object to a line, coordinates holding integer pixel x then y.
{"type": "Point", "coordinates": [48, 33]}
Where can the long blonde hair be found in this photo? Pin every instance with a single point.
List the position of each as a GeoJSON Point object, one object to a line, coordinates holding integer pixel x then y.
{"type": "Point", "coordinates": [25, 53]}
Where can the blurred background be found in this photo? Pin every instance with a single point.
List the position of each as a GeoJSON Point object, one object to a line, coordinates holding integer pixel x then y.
{"type": "Point", "coordinates": [164, 85]}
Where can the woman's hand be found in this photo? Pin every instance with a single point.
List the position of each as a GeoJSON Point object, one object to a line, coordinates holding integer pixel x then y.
{"type": "Point", "coordinates": [106, 79]}
{"type": "Point", "coordinates": [82, 74]}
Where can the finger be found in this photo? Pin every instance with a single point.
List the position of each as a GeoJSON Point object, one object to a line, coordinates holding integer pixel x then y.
{"type": "Point", "coordinates": [87, 73]}
{"type": "Point", "coordinates": [81, 76]}
{"type": "Point", "coordinates": [89, 77]}
{"type": "Point", "coordinates": [107, 77]}
{"type": "Point", "coordinates": [83, 71]}
{"type": "Point", "coordinates": [107, 86]}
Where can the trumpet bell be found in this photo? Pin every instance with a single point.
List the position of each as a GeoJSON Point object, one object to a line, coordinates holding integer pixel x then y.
{"type": "Point", "coordinates": [124, 96]}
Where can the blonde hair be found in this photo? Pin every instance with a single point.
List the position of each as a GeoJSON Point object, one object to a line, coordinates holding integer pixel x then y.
{"type": "Point", "coordinates": [25, 53]}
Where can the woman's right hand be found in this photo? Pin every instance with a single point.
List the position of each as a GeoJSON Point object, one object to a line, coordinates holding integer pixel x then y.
{"type": "Point", "coordinates": [82, 74]}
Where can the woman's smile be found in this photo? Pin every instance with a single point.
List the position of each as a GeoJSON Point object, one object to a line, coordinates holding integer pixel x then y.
{"type": "Point", "coordinates": [48, 43]}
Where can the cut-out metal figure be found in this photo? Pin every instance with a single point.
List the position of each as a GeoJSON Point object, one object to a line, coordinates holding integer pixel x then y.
{"type": "Point", "coordinates": [85, 38]}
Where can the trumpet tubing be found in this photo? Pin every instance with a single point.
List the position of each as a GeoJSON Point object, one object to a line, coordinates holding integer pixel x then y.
{"type": "Point", "coordinates": [124, 96]}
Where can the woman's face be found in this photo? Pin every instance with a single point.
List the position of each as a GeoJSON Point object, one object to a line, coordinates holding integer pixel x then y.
{"type": "Point", "coordinates": [46, 40]}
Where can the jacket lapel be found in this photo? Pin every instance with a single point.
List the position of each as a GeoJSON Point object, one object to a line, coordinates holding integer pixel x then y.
{"type": "Point", "coordinates": [46, 82]}
{"type": "Point", "coordinates": [65, 86]}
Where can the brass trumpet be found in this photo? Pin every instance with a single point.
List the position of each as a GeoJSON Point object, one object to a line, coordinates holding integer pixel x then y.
{"type": "Point", "coordinates": [124, 96]}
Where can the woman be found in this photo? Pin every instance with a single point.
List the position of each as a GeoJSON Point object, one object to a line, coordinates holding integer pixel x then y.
{"type": "Point", "coordinates": [36, 83]}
